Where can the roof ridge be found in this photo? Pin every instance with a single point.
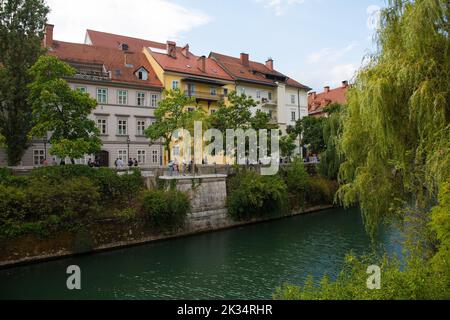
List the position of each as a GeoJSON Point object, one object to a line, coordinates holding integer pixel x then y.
{"type": "Point", "coordinates": [124, 36]}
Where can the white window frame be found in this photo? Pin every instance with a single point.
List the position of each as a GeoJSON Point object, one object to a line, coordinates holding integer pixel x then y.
{"type": "Point", "coordinates": [121, 154]}
{"type": "Point", "coordinates": [213, 91]}
{"type": "Point", "coordinates": [141, 125]}
{"type": "Point", "coordinates": [154, 100]}
{"type": "Point", "coordinates": [141, 99]}
{"type": "Point", "coordinates": [102, 92]}
{"type": "Point", "coordinates": [175, 84]}
{"type": "Point", "coordinates": [102, 123]}
{"type": "Point", "coordinates": [176, 151]}
{"type": "Point", "coordinates": [258, 94]}
{"type": "Point", "coordinates": [38, 154]}
{"type": "Point", "coordinates": [81, 89]}
{"type": "Point", "coordinates": [155, 155]}
{"type": "Point", "coordinates": [120, 124]}
{"type": "Point", "coordinates": [269, 96]}
{"type": "Point", "coordinates": [122, 94]}
{"type": "Point", "coordinates": [293, 99]}
{"type": "Point", "coordinates": [142, 74]}
{"type": "Point", "coordinates": [293, 116]}
{"type": "Point", "coordinates": [142, 156]}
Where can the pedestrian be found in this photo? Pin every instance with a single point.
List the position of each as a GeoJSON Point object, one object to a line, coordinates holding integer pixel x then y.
{"type": "Point", "coordinates": [171, 163]}
{"type": "Point", "coordinates": [130, 163]}
{"type": "Point", "coordinates": [136, 163]}
{"type": "Point", "coordinates": [184, 167]}
{"type": "Point", "coordinates": [116, 163]}
{"type": "Point", "coordinates": [120, 163]}
{"type": "Point", "coordinates": [90, 163]}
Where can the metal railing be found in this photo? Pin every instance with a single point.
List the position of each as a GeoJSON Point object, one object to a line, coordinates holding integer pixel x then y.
{"type": "Point", "coordinates": [205, 95]}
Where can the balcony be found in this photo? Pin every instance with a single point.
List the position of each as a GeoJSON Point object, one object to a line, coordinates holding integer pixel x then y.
{"type": "Point", "coordinates": [266, 103]}
{"type": "Point", "coordinates": [205, 96]}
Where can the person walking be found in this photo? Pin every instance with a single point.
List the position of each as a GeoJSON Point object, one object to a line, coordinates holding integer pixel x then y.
{"type": "Point", "coordinates": [136, 163]}
{"type": "Point", "coordinates": [171, 164]}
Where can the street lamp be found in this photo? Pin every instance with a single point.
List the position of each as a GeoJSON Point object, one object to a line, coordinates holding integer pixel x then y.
{"type": "Point", "coordinates": [128, 145]}
{"type": "Point", "coordinates": [45, 146]}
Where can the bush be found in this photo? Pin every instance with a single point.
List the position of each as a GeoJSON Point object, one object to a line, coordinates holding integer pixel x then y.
{"type": "Point", "coordinates": [296, 178]}
{"type": "Point", "coordinates": [12, 204]}
{"type": "Point", "coordinates": [320, 191]}
{"type": "Point", "coordinates": [114, 189]}
{"type": "Point", "coordinates": [74, 198]}
{"type": "Point", "coordinates": [251, 195]}
{"type": "Point", "coordinates": [165, 210]}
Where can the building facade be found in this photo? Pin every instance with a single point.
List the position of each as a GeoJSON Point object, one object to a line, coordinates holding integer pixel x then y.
{"type": "Point", "coordinates": [127, 91]}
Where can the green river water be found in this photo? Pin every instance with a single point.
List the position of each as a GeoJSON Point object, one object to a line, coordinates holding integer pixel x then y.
{"type": "Point", "coordinates": [244, 263]}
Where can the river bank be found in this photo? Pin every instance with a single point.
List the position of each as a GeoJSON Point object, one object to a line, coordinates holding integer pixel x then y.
{"type": "Point", "coordinates": [111, 234]}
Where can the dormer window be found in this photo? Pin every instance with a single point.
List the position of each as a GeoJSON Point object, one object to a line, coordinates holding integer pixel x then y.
{"type": "Point", "coordinates": [142, 74]}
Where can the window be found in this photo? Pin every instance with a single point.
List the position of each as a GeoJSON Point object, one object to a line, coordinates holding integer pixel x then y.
{"type": "Point", "coordinates": [82, 89]}
{"type": "Point", "coordinates": [38, 156]}
{"type": "Point", "coordinates": [142, 74]}
{"type": "Point", "coordinates": [176, 151]}
{"type": "Point", "coordinates": [293, 116]}
{"type": "Point", "coordinates": [242, 91]}
{"type": "Point", "coordinates": [122, 97]}
{"type": "Point", "coordinates": [123, 155]}
{"type": "Point", "coordinates": [175, 84]}
{"type": "Point", "coordinates": [102, 95]}
{"type": "Point", "coordinates": [213, 91]}
{"type": "Point", "coordinates": [155, 156]}
{"type": "Point", "coordinates": [154, 101]}
{"type": "Point", "coordinates": [141, 99]}
{"type": "Point", "coordinates": [122, 127]}
{"type": "Point", "coordinates": [258, 94]}
{"type": "Point", "coordinates": [191, 89]}
{"type": "Point", "coordinates": [225, 92]}
{"type": "Point", "coordinates": [140, 127]}
{"type": "Point", "coordinates": [270, 96]}
{"type": "Point", "coordinates": [141, 156]}
{"type": "Point", "coordinates": [102, 125]}
{"type": "Point", "coordinates": [292, 99]}
{"type": "Point", "coordinates": [213, 111]}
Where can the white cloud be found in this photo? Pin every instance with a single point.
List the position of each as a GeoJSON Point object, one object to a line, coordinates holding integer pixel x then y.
{"type": "Point", "coordinates": [329, 67]}
{"type": "Point", "coordinates": [330, 55]}
{"type": "Point", "coordinates": [279, 6]}
{"type": "Point", "coordinates": [158, 20]}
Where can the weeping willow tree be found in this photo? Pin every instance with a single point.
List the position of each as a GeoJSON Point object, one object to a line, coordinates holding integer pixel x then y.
{"type": "Point", "coordinates": [332, 157]}
{"type": "Point", "coordinates": [396, 136]}
{"type": "Point", "coordinates": [396, 143]}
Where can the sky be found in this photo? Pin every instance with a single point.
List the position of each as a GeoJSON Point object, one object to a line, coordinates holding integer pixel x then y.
{"type": "Point", "coordinates": [317, 42]}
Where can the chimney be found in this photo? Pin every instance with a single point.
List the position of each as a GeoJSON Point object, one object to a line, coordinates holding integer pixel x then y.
{"type": "Point", "coordinates": [48, 37]}
{"type": "Point", "coordinates": [245, 60]}
{"type": "Point", "coordinates": [269, 64]}
{"type": "Point", "coordinates": [201, 63]}
{"type": "Point", "coordinates": [344, 84]}
{"type": "Point", "coordinates": [326, 89]}
{"type": "Point", "coordinates": [313, 95]}
{"type": "Point", "coordinates": [172, 49]}
{"type": "Point", "coordinates": [185, 51]}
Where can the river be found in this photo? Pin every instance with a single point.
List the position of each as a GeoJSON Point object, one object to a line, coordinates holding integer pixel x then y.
{"type": "Point", "coordinates": [244, 263]}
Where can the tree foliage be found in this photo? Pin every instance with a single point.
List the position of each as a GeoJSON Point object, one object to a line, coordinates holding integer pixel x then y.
{"type": "Point", "coordinates": [396, 135]}
{"type": "Point", "coordinates": [171, 115]}
{"type": "Point", "coordinates": [59, 109]}
{"type": "Point", "coordinates": [22, 25]}
{"type": "Point", "coordinates": [332, 158]}
{"type": "Point", "coordinates": [311, 130]}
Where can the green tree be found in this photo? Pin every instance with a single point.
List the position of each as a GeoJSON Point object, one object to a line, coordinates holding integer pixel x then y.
{"type": "Point", "coordinates": [22, 24]}
{"type": "Point", "coordinates": [59, 109]}
{"type": "Point", "coordinates": [287, 146]}
{"type": "Point", "coordinates": [311, 130]}
{"type": "Point", "coordinates": [234, 115]}
{"type": "Point", "coordinates": [171, 115]}
{"type": "Point", "coordinates": [396, 141]}
{"type": "Point", "coordinates": [332, 157]}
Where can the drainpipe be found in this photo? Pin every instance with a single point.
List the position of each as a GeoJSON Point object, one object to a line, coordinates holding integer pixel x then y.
{"type": "Point", "coordinates": [300, 147]}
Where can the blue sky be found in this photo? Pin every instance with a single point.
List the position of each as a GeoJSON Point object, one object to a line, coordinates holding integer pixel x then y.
{"type": "Point", "coordinates": [317, 42]}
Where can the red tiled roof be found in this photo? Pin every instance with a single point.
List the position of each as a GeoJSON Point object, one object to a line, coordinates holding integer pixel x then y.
{"type": "Point", "coordinates": [189, 65]}
{"type": "Point", "coordinates": [109, 40]}
{"type": "Point", "coordinates": [317, 102]}
{"type": "Point", "coordinates": [182, 64]}
{"type": "Point", "coordinates": [254, 72]}
{"type": "Point", "coordinates": [122, 65]}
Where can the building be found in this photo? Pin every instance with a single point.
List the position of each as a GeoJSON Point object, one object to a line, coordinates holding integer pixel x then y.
{"type": "Point", "coordinates": [283, 98]}
{"type": "Point", "coordinates": [317, 102]}
{"type": "Point", "coordinates": [127, 90]}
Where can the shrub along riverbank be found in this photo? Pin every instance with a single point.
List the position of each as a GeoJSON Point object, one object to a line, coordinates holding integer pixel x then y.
{"type": "Point", "coordinates": [68, 198]}
{"type": "Point", "coordinates": [251, 195]}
